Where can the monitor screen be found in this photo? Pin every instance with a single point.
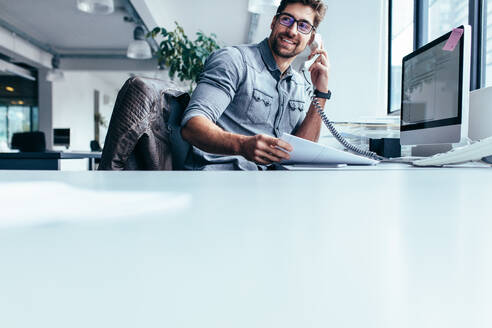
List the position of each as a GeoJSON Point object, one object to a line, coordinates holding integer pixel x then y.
{"type": "Point", "coordinates": [434, 81]}
{"type": "Point", "coordinates": [61, 137]}
{"type": "Point", "coordinates": [431, 87]}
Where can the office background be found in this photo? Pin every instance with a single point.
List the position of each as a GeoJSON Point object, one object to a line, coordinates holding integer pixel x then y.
{"type": "Point", "coordinates": [379, 246]}
{"type": "Point", "coordinates": [364, 39]}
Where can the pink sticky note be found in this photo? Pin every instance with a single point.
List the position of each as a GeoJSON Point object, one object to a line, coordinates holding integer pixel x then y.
{"type": "Point", "coordinates": [453, 40]}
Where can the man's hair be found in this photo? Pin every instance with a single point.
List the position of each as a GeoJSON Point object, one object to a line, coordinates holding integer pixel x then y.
{"type": "Point", "coordinates": [318, 7]}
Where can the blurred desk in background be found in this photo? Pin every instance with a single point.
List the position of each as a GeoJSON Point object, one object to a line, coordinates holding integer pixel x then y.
{"type": "Point", "coordinates": [49, 160]}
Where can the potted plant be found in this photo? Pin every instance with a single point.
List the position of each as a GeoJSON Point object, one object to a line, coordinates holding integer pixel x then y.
{"type": "Point", "coordinates": [182, 56]}
{"type": "Point", "coordinates": [99, 121]}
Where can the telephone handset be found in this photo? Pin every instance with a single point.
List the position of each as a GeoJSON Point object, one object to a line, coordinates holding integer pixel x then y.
{"type": "Point", "coordinates": [317, 42]}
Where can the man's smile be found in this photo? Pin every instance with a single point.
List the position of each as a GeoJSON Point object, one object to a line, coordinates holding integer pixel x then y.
{"type": "Point", "coordinates": [286, 42]}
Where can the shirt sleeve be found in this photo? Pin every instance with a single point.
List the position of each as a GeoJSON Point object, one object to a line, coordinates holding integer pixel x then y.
{"type": "Point", "coordinates": [217, 85]}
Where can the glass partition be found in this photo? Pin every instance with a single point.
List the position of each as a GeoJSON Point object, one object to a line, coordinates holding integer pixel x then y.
{"type": "Point", "coordinates": [18, 106]}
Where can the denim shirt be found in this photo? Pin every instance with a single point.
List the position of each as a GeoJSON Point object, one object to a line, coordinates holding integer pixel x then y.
{"type": "Point", "coordinates": [242, 91]}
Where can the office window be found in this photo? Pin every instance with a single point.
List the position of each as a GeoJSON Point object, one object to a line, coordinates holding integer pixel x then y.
{"type": "Point", "coordinates": [3, 124]}
{"type": "Point", "coordinates": [487, 22]}
{"type": "Point", "coordinates": [34, 119]}
{"type": "Point", "coordinates": [444, 15]}
{"type": "Point", "coordinates": [430, 20]}
{"type": "Point", "coordinates": [401, 45]}
{"type": "Point", "coordinates": [18, 106]}
{"type": "Point", "coordinates": [19, 120]}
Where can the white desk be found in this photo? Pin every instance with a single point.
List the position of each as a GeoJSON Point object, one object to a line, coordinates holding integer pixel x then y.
{"type": "Point", "coordinates": [340, 248]}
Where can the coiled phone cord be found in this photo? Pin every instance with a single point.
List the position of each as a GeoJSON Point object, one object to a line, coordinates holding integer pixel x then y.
{"type": "Point", "coordinates": [339, 137]}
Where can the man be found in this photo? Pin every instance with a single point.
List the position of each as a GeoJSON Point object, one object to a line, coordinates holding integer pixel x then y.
{"type": "Point", "coordinates": [248, 94]}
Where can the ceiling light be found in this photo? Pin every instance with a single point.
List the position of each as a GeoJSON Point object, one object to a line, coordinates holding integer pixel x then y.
{"type": "Point", "coordinates": [139, 48]}
{"type": "Point", "coordinates": [20, 102]}
{"type": "Point", "coordinates": [9, 89]}
{"type": "Point", "coordinates": [55, 74]}
{"type": "Point", "coordinates": [98, 7]}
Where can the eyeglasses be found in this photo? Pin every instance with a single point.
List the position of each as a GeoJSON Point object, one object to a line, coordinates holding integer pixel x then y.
{"type": "Point", "coordinates": [302, 26]}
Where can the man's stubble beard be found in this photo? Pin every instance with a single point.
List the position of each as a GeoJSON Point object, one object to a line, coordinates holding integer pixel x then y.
{"type": "Point", "coordinates": [277, 49]}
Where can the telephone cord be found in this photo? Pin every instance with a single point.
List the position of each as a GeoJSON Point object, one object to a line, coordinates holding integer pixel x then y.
{"type": "Point", "coordinates": [339, 137]}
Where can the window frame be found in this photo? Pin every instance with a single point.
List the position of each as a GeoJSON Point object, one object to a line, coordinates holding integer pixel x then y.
{"type": "Point", "coordinates": [420, 24]}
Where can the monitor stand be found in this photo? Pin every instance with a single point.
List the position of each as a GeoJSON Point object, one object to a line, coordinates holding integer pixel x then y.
{"type": "Point", "coordinates": [430, 150]}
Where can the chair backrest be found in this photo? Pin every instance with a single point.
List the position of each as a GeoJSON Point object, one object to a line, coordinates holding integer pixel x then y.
{"type": "Point", "coordinates": [180, 148]}
{"type": "Point", "coordinates": [140, 135]}
{"type": "Point", "coordinates": [94, 144]}
{"type": "Point", "coordinates": [29, 141]}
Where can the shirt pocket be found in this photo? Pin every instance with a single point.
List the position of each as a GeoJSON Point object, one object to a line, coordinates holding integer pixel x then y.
{"type": "Point", "coordinates": [260, 107]}
{"type": "Point", "coordinates": [296, 107]}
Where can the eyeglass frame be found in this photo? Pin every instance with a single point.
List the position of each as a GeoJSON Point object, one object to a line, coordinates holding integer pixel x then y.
{"type": "Point", "coordinates": [313, 28]}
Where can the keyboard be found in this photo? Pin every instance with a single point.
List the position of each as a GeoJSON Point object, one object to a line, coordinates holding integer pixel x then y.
{"type": "Point", "coordinates": [475, 151]}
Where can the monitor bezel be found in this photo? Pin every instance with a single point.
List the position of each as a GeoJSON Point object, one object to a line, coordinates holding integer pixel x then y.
{"type": "Point", "coordinates": [444, 122]}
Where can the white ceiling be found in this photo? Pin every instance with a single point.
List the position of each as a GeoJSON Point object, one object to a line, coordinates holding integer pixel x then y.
{"type": "Point", "coordinates": [229, 19]}
{"type": "Point", "coordinates": [58, 24]}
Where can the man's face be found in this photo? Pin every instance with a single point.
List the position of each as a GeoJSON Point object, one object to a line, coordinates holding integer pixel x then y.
{"type": "Point", "coordinates": [288, 42]}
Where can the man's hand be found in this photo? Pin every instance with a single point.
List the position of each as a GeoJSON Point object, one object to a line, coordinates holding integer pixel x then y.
{"type": "Point", "coordinates": [263, 149]}
{"type": "Point", "coordinates": [320, 69]}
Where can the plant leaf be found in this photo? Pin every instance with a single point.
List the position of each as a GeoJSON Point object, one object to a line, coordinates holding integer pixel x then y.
{"type": "Point", "coordinates": [183, 57]}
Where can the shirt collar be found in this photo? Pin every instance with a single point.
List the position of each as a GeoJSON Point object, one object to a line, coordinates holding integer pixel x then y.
{"type": "Point", "coordinates": [271, 64]}
{"type": "Point", "coordinates": [266, 54]}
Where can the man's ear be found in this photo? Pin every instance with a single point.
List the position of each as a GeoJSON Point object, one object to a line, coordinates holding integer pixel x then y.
{"type": "Point", "coordinates": [311, 39]}
{"type": "Point", "coordinates": [273, 22]}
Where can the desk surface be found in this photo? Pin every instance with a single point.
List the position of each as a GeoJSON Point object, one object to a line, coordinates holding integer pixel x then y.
{"type": "Point", "coordinates": [365, 247]}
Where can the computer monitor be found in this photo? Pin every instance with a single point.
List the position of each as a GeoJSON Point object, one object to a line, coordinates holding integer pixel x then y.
{"type": "Point", "coordinates": [61, 137]}
{"type": "Point", "coordinates": [435, 92]}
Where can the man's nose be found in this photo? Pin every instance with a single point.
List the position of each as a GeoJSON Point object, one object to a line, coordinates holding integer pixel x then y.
{"type": "Point", "coordinates": [292, 29]}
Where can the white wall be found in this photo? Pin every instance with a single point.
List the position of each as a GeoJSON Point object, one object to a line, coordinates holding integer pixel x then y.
{"type": "Point", "coordinates": [354, 33]}
{"type": "Point", "coordinates": [73, 107]}
{"type": "Point", "coordinates": [355, 37]}
{"type": "Point", "coordinates": [73, 103]}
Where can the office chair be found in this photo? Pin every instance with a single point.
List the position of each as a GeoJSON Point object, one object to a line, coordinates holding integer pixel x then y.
{"type": "Point", "coordinates": [144, 131]}
{"type": "Point", "coordinates": [29, 141]}
{"type": "Point", "coordinates": [95, 146]}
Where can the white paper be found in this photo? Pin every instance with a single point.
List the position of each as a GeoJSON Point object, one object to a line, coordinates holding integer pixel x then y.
{"type": "Point", "coordinates": [37, 203]}
{"type": "Point", "coordinates": [308, 152]}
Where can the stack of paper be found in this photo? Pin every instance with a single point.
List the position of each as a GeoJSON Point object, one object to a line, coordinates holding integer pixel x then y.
{"type": "Point", "coordinates": [311, 153]}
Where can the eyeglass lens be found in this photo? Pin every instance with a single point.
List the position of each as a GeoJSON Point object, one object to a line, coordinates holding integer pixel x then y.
{"type": "Point", "coordinates": [302, 26]}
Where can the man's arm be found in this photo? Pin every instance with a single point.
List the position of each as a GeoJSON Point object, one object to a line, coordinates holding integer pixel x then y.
{"type": "Point", "coordinates": [207, 136]}
{"type": "Point", "coordinates": [216, 88]}
{"type": "Point", "coordinates": [311, 126]}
